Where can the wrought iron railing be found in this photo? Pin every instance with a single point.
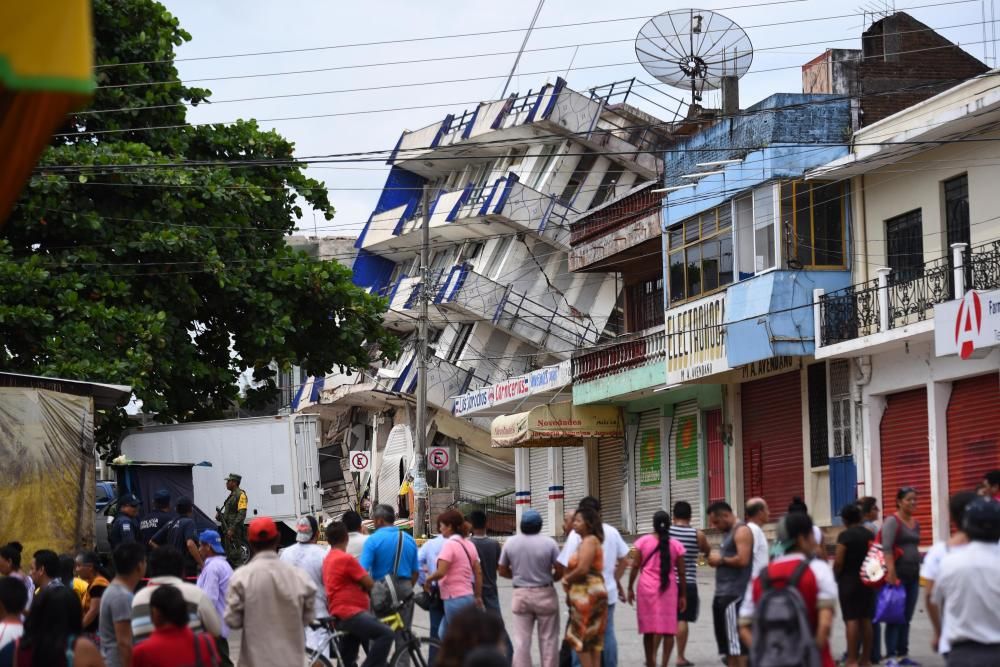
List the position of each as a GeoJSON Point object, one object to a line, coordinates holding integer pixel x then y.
{"type": "Point", "coordinates": [499, 510]}
{"type": "Point", "coordinates": [850, 312]}
{"type": "Point", "coordinates": [912, 298]}
{"type": "Point", "coordinates": [984, 266]}
{"type": "Point", "coordinates": [626, 352]}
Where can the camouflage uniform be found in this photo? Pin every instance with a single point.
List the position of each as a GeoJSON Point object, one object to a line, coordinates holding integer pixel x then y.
{"type": "Point", "coordinates": [232, 516]}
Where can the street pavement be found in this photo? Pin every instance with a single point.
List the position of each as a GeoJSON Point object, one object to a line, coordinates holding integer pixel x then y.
{"type": "Point", "coordinates": [701, 644]}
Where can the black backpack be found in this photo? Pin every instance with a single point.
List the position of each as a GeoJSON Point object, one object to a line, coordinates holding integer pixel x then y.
{"type": "Point", "coordinates": [782, 636]}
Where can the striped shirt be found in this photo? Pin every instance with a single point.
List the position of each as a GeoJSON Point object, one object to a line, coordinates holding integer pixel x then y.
{"type": "Point", "coordinates": [688, 536]}
{"type": "Point", "coordinates": [201, 611]}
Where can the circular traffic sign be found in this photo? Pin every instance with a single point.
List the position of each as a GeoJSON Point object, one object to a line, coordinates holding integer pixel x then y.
{"type": "Point", "coordinates": [438, 458]}
{"type": "Point", "coordinates": [359, 461]}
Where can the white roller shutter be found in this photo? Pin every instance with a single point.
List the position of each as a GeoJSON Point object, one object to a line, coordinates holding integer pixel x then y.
{"type": "Point", "coordinates": [481, 476]}
{"type": "Point", "coordinates": [538, 460]}
{"type": "Point", "coordinates": [574, 475]}
{"type": "Point", "coordinates": [611, 477]}
{"type": "Point", "coordinates": [648, 457]}
{"type": "Point", "coordinates": [398, 449]}
{"type": "Point", "coordinates": [686, 458]}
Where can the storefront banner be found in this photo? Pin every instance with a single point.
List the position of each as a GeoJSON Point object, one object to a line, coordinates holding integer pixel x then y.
{"type": "Point", "coordinates": [968, 327]}
{"type": "Point", "coordinates": [696, 342]}
{"type": "Point", "coordinates": [686, 452]}
{"type": "Point", "coordinates": [556, 425]}
{"type": "Point", "coordinates": [535, 382]}
{"type": "Point", "coordinates": [650, 459]}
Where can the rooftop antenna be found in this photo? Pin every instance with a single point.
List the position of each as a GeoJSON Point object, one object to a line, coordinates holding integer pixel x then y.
{"type": "Point", "coordinates": [694, 49]}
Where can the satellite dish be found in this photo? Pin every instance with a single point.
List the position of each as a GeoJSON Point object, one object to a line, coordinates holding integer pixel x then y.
{"type": "Point", "coordinates": [693, 48]}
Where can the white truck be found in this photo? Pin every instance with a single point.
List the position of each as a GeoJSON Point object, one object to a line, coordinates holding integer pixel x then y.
{"type": "Point", "coordinates": [277, 457]}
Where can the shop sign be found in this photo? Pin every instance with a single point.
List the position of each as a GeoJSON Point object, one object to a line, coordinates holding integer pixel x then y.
{"type": "Point", "coordinates": [556, 425]}
{"type": "Point", "coordinates": [686, 448]}
{"type": "Point", "coordinates": [768, 367]}
{"type": "Point", "coordinates": [649, 458]}
{"type": "Point", "coordinates": [536, 382]}
{"type": "Point", "coordinates": [969, 326]}
{"type": "Point", "coordinates": [696, 345]}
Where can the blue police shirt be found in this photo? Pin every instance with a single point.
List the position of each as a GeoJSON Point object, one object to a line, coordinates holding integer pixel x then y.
{"type": "Point", "coordinates": [380, 551]}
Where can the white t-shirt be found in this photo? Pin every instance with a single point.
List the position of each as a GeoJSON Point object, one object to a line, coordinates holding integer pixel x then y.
{"type": "Point", "coordinates": [967, 589]}
{"type": "Point", "coordinates": [826, 585]}
{"type": "Point", "coordinates": [931, 570]}
{"type": "Point", "coordinates": [356, 544]}
{"type": "Point", "coordinates": [614, 550]}
{"type": "Point", "coordinates": [760, 550]}
{"type": "Point", "coordinates": [10, 632]}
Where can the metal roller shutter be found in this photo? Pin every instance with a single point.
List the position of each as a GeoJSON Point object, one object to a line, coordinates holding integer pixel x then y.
{"type": "Point", "coordinates": [611, 477]}
{"type": "Point", "coordinates": [772, 440]}
{"type": "Point", "coordinates": [574, 475]}
{"type": "Point", "coordinates": [538, 460]}
{"type": "Point", "coordinates": [973, 431]}
{"type": "Point", "coordinates": [685, 458]}
{"type": "Point", "coordinates": [648, 459]}
{"type": "Point", "coordinates": [905, 457]}
{"type": "Point", "coordinates": [393, 464]}
{"type": "Point", "coordinates": [481, 476]}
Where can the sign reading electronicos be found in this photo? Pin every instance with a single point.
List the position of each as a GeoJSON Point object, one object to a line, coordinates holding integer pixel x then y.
{"type": "Point", "coordinates": [696, 342]}
{"type": "Point", "coordinates": [967, 326]}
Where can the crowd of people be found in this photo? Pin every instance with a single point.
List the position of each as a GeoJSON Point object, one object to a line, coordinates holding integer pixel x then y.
{"type": "Point", "coordinates": [173, 602]}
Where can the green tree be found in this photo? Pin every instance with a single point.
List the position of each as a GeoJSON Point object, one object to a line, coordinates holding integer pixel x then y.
{"type": "Point", "coordinates": [172, 279]}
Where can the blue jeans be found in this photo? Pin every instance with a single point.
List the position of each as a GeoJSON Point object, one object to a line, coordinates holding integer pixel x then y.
{"type": "Point", "coordinates": [609, 657]}
{"type": "Point", "coordinates": [451, 607]}
{"type": "Point", "coordinates": [897, 635]}
{"type": "Point", "coordinates": [437, 615]}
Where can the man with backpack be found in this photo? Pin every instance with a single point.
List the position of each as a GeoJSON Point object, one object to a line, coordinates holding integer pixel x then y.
{"type": "Point", "coordinates": [787, 614]}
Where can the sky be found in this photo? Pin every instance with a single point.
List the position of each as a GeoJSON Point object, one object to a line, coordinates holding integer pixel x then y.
{"type": "Point", "coordinates": [785, 34]}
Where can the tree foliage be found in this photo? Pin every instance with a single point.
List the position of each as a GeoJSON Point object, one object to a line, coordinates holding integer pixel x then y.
{"type": "Point", "coordinates": [172, 279]}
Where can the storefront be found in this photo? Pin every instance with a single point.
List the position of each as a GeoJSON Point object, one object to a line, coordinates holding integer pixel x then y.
{"type": "Point", "coordinates": [973, 430]}
{"type": "Point", "coordinates": [686, 459]}
{"type": "Point", "coordinates": [648, 472]}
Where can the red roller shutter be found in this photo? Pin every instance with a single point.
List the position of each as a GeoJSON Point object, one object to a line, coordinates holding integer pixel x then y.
{"type": "Point", "coordinates": [905, 457]}
{"type": "Point", "coordinates": [973, 431]}
{"type": "Point", "coordinates": [772, 440]}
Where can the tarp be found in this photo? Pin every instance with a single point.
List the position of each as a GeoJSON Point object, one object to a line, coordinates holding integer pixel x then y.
{"type": "Point", "coordinates": [48, 483]}
{"type": "Point", "coordinates": [145, 479]}
{"type": "Point", "coordinates": [556, 425]}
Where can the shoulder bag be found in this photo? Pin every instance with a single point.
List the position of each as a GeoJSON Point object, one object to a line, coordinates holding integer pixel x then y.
{"type": "Point", "coordinates": [385, 596]}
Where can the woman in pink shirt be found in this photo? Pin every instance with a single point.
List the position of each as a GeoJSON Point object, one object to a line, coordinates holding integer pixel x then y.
{"type": "Point", "coordinates": [459, 575]}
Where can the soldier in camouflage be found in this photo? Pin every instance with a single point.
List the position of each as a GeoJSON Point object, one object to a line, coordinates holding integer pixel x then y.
{"type": "Point", "coordinates": [232, 516]}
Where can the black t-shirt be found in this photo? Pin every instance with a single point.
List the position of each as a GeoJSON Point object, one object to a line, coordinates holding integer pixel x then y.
{"type": "Point", "coordinates": [489, 557]}
{"type": "Point", "coordinates": [176, 534]}
{"type": "Point", "coordinates": [151, 523]}
{"type": "Point", "coordinates": [856, 540]}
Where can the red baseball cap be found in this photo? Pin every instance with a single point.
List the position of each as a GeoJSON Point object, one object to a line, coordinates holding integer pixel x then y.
{"type": "Point", "coordinates": [262, 529]}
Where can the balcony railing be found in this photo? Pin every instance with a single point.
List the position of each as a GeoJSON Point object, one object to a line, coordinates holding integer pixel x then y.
{"type": "Point", "coordinates": [625, 353]}
{"type": "Point", "coordinates": [893, 301]}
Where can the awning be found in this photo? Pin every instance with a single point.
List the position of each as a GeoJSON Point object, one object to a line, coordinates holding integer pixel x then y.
{"type": "Point", "coordinates": [556, 425]}
{"type": "Point", "coordinates": [46, 71]}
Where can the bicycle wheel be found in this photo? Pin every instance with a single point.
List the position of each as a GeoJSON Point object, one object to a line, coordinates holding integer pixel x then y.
{"type": "Point", "coordinates": [416, 653]}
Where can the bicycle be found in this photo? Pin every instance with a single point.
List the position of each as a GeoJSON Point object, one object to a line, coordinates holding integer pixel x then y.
{"type": "Point", "coordinates": [416, 649]}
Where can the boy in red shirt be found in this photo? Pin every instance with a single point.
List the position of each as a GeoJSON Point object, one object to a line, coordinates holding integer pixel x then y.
{"type": "Point", "coordinates": [172, 642]}
{"type": "Point", "coordinates": [817, 584]}
{"type": "Point", "coordinates": [347, 585]}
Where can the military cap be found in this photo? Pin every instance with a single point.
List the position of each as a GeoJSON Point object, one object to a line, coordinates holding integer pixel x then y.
{"type": "Point", "coordinates": [233, 477]}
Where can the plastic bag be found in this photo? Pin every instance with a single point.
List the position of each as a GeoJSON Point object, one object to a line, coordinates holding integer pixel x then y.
{"type": "Point", "coordinates": [890, 607]}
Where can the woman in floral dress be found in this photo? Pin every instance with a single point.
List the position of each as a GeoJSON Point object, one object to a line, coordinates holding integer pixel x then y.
{"type": "Point", "coordinates": [585, 591]}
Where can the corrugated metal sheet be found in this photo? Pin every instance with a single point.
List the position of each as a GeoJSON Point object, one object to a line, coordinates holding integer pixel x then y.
{"type": "Point", "coordinates": [611, 477]}
{"type": "Point", "coordinates": [973, 431]}
{"type": "Point", "coordinates": [538, 460]}
{"type": "Point", "coordinates": [716, 456]}
{"type": "Point", "coordinates": [648, 464]}
{"type": "Point", "coordinates": [685, 465]}
{"type": "Point", "coordinates": [481, 476]}
{"type": "Point", "coordinates": [398, 449]}
{"type": "Point", "coordinates": [772, 440]}
{"type": "Point", "coordinates": [574, 475]}
{"type": "Point", "coordinates": [905, 455]}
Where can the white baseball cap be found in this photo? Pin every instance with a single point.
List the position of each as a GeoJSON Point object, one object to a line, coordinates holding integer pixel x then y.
{"type": "Point", "coordinates": [303, 530]}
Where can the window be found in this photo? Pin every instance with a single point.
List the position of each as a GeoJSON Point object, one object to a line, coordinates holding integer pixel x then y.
{"type": "Point", "coordinates": [956, 215]}
{"type": "Point", "coordinates": [905, 246]}
{"type": "Point", "coordinates": [459, 342]}
{"type": "Point", "coordinates": [700, 254]}
{"type": "Point", "coordinates": [606, 190]}
{"type": "Point", "coordinates": [543, 165]}
{"type": "Point", "coordinates": [819, 448]}
{"type": "Point", "coordinates": [812, 215]}
{"type": "Point", "coordinates": [755, 232]}
{"type": "Point", "coordinates": [577, 178]}
{"type": "Point", "coordinates": [645, 304]}
{"type": "Point", "coordinates": [840, 406]}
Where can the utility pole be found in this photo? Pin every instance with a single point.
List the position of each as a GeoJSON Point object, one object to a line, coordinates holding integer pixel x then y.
{"type": "Point", "coordinates": [420, 480]}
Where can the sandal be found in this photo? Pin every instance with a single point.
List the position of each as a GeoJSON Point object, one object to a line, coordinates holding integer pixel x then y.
{"type": "Point", "coordinates": [686, 663]}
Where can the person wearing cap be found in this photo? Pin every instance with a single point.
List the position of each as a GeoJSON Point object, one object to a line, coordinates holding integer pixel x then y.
{"type": "Point", "coordinates": [161, 515]}
{"type": "Point", "coordinates": [271, 601]}
{"type": "Point", "coordinates": [531, 561]}
{"type": "Point", "coordinates": [968, 587]}
{"type": "Point", "coordinates": [233, 515]}
{"type": "Point", "coordinates": [308, 556]}
{"type": "Point", "coordinates": [182, 533]}
{"type": "Point", "coordinates": [125, 528]}
{"type": "Point", "coordinates": [214, 580]}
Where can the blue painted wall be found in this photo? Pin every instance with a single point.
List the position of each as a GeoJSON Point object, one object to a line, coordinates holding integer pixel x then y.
{"type": "Point", "coordinates": [752, 334]}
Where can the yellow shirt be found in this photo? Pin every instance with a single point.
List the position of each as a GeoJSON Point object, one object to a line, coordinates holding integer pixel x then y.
{"type": "Point", "coordinates": [80, 588]}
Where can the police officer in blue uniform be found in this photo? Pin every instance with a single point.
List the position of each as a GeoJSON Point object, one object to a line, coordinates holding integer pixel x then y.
{"type": "Point", "coordinates": [125, 527]}
{"type": "Point", "coordinates": [161, 515]}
